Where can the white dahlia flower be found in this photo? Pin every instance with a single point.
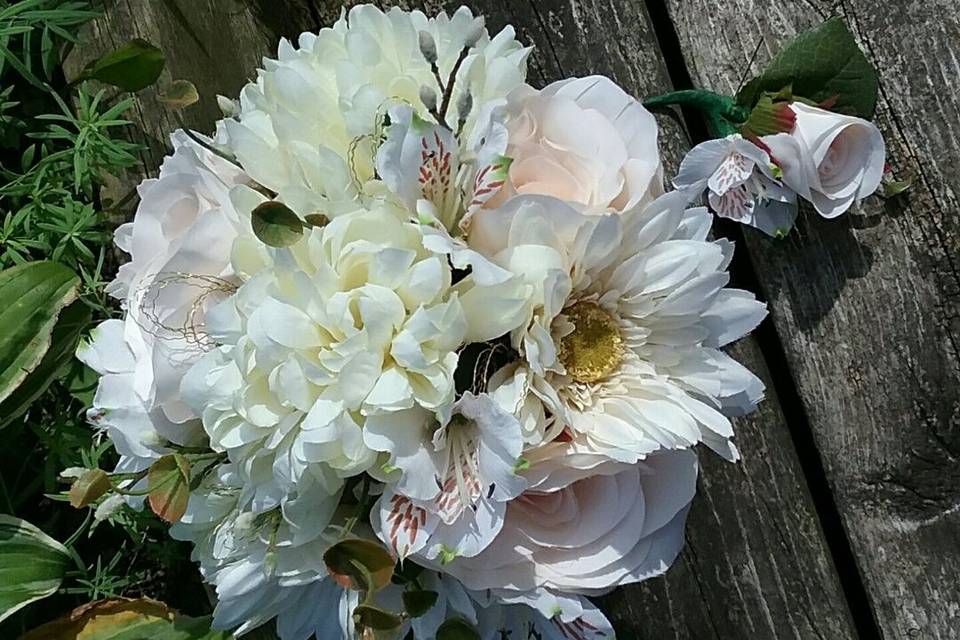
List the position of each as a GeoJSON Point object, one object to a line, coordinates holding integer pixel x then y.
{"type": "Point", "coordinates": [355, 319]}
{"type": "Point", "coordinates": [180, 243]}
{"type": "Point", "coordinates": [308, 128]}
{"type": "Point", "coordinates": [622, 344]}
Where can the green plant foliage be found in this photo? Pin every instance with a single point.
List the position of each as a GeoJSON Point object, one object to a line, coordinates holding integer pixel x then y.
{"type": "Point", "coordinates": [73, 321]}
{"type": "Point", "coordinates": [360, 564]}
{"type": "Point", "coordinates": [417, 603]}
{"type": "Point", "coordinates": [124, 619]}
{"type": "Point", "coordinates": [822, 65]}
{"type": "Point", "coordinates": [32, 564]}
{"type": "Point", "coordinates": [34, 295]}
{"type": "Point", "coordinates": [457, 629]}
{"type": "Point", "coordinates": [134, 66]}
{"type": "Point", "coordinates": [169, 485]}
{"type": "Point", "coordinates": [275, 225]}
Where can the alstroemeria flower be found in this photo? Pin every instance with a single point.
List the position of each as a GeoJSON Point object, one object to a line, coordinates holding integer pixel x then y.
{"type": "Point", "coordinates": [454, 480]}
{"type": "Point", "coordinates": [739, 177]}
{"type": "Point", "coordinates": [832, 160]}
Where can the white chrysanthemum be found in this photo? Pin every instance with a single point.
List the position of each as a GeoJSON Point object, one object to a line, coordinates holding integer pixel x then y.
{"type": "Point", "coordinates": [623, 340]}
{"type": "Point", "coordinates": [179, 242]}
{"type": "Point", "coordinates": [268, 565]}
{"type": "Point", "coordinates": [357, 318]}
{"type": "Point", "coordinates": [306, 129]}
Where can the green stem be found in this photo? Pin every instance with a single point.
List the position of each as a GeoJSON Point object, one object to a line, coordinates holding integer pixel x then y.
{"type": "Point", "coordinates": [722, 113]}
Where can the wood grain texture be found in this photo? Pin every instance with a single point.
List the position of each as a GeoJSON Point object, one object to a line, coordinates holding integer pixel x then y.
{"type": "Point", "coordinates": [755, 564]}
{"type": "Point", "coordinates": [868, 306]}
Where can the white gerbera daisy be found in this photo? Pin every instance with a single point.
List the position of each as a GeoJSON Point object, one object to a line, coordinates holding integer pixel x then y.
{"type": "Point", "coordinates": [623, 342]}
{"type": "Point", "coordinates": [309, 127]}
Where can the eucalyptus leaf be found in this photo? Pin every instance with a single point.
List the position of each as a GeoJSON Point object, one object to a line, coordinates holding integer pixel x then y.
{"type": "Point", "coordinates": [134, 66]}
{"type": "Point", "coordinates": [179, 94]}
{"type": "Point", "coordinates": [90, 486]}
{"type": "Point", "coordinates": [417, 603]}
{"type": "Point", "coordinates": [822, 65]}
{"type": "Point", "coordinates": [376, 564]}
{"type": "Point", "coordinates": [276, 225]}
{"type": "Point", "coordinates": [168, 484]}
{"type": "Point", "coordinates": [32, 564]}
{"type": "Point", "coordinates": [457, 629]}
{"type": "Point", "coordinates": [63, 343]}
{"type": "Point", "coordinates": [372, 617]}
{"type": "Point", "coordinates": [34, 294]}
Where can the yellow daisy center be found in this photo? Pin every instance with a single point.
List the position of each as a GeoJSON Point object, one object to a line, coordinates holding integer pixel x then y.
{"type": "Point", "coordinates": [591, 351]}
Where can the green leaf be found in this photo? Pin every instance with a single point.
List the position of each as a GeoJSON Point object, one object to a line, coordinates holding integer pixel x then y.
{"type": "Point", "coordinates": [168, 483]}
{"type": "Point", "coordinates": [457, 629]}
{"type": "Point", "coordinates": [769, 117]}
{"type": "Point", "coordinates": [276, 225]}
{"type": "Point", "coordinates": [376, 562]}
{"type": "Point", "coordinates": [894, 188]}
{"type": "Point", "coordinates": [316, 219]}
{"type": "Point", "coordinates": [822, 65]}
{"type": "Point", "coordinates": [32, 564]}
{"type": "Point", "coordinates": [90, 486]}
{"type": "Point", "coordinates": [134, 66]}
{"type": "Point", "coordinates": [371, 617]}
{"type": "Point", "coordinates": [179, 94]}
{"type": "Point", "coordinates": [417, 603]}
{"type": "Point", "coordinates": [123, 619]}
{"type": "Point", "coordinates": [63, 343]}
{"type": "Point", "coordinates": [33, 295]}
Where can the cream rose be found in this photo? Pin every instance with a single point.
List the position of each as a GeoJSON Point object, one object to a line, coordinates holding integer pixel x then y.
{"type": "Point", "coordinates": [583, 140]}
{"type": "Point", "coordinates": [595, 533]}
{"type": "Point", "coordinates": [840, 159]}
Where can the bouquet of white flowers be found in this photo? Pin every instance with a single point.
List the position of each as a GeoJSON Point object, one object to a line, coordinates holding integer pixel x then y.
{"type": "Point", "coordinates": [409, 344]}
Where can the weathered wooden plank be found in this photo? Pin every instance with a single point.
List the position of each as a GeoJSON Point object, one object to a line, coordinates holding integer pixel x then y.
{"type": "Point", "coordinates": [867, 305]}
{"type": "Point", "coordinates": [756, 564]}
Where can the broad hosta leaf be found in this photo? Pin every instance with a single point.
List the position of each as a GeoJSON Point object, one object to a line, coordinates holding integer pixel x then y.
{"type": "Point", "coordinates": [275, 224]}
{"type": "Point", "coordinates": [169, 485]}
{"type": "Point", "coordinates": [134, 66]}
{"type": "Point", "coordinates": [359, 564]}
{"type": "Point", "coordinates": [123, 619]}
{"type": "Point", "coordinates": [33, 296]}
{"type": "Point", "coordinates": [179, 94]}
{"type": "Point", "coordinates": [63, 343]}
{"type": "Point", "coordinates": [457, 629]}
{"type": "Point", "coordinates": [822, 65]}
{"type": "Point", "coordinates": [32, 564]}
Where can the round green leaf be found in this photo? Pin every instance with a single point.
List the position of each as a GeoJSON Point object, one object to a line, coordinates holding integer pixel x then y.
{"type": "Point", "coordinates": [457, 629]}
{"type": "Point", "coordinates": [276, 225]}
{"type": "Point", "coordinates": [359, 564]}
{"type": "Point", "coordinates": [168, 484]}
{"type": "Point", "coordinates": [371, 617]}
{"type": "Point", "coordinates": [134, 66]}
{"type": "Point", "coordinates": [179, 94]}
{"type": "Point", "coordinates": [32, 564]}
{"type": "Point", "coordinates": [417, 603]}
{"type": "Point", "coordinates": [33, 295]}
{"type": "Point", "coordinates": [824, 64]}
{"type": "Point", "coordinates": [86, 489]}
